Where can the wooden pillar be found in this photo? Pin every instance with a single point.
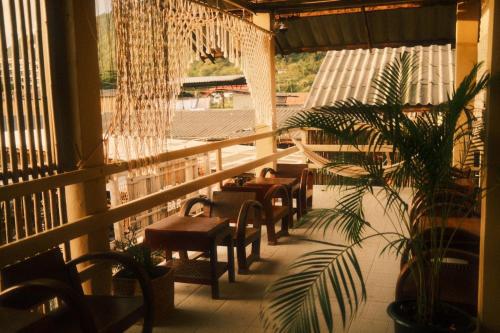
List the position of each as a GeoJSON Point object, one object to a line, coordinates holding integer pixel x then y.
{"type": "Point", "coordinates": [115, 198]}
{"type": "Point", "coordinates": [189, 174]}
{"type": "Point", "coordinates": [267, 146]}
{"type": "Point", "coordinates": [467, 37]}
{"type": "Point", "coordinates": [208, 171]}
{"type": "Point", "coordinates": [83, 137]}
{"type": "Point", "coordinates": [489, 264]}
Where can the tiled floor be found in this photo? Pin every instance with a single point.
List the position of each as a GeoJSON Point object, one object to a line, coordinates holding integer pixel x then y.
{"type": "Point", "coordinates": [238, 308]}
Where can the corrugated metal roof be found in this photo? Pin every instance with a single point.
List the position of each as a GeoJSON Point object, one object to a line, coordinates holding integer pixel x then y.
{"type": "Point", "coordinates": [208, 81]}
{"type": "Point", "coordinates": [220, 124]}
{"type": "Point", "coordinates": [399, 27]}
{"type": "Point", "coordinates": [349, 74]}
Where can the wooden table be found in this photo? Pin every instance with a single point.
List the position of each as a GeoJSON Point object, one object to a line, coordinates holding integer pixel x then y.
{"type": "Point", "coordinates": [185, 233]}
{"type": "Point", "coordinates": [289, 183]}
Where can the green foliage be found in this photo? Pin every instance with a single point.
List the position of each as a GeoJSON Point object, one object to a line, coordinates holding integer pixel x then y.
{"type": "Point", "coordinates": [294, 72]}
{"type": "Point", "coordinates": [108, 79]}
{"type": "Point", "coordinates": [106, 46]}
{"type": "Point", "coordinates": [140, 253]}
{"type": "Point", "coordinates": [423, 150]}
{"type": "Point", "coordinates": [316, 272]}
{"type": "Point", "coordinates": [220, 67]}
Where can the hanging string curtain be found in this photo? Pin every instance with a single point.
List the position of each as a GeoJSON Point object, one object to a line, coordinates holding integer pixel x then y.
{"type": "Point", "coordinates": [156, 41]}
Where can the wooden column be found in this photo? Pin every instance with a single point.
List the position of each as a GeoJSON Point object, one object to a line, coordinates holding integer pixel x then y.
{"type": "Point", "coordinates": [115, 198]}
{"type": "Point", "coordinates": [188, 174]}
{"type": "Point", "coordinates": [267, 146]}
{"type": "Point", "coordinates": [489, 265]}
{"type": "Point", "coordinates": [83, 135]}
{"type": "Point", "coordinates": [467, 37]}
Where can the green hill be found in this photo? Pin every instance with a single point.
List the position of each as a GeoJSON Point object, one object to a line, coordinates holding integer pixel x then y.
{"type": "Point", "coordinates": [106, 42]}
{"type": "Point", "coordinates": [294, 73]}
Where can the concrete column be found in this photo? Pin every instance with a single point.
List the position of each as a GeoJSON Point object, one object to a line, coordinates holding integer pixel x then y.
{"type": "Point", "coordinates": [467, 37]}
{"type": "Point", "coordinates": [267, 146]}
{"type": "Point", "coordinates": [489, 267]}
{"type": "Point", "coordinates": [85, 135]}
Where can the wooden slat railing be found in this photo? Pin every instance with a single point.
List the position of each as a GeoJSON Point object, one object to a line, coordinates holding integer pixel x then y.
{"type": "Point", "coordinates": [349, 148]}
{"type": "Point", "coordinates": [16, 190]}
{"type": "Point", "coordinates": [25, 247]}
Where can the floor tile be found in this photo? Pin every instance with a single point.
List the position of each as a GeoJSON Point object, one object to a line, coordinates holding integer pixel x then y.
{"type": "Point", "coordinates": [240, 303]}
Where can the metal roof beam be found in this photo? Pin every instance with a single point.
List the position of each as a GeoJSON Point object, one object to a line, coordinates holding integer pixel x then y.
{"type": "Point", "coordinates": [288, 6]}
{"type": "Point", "coordinates": [379, 45]}
{"type": "Point", "coordinates": [241, 4]}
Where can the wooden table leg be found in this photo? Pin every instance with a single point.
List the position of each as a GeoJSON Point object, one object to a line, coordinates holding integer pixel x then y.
{"type": "Point", "coordinates": [168, 255]}
{"type": "Point", "coordinates": [183, 256]}
{"type": "Point", "coordinates": [213, 270]}
{"type": "Point", "coordinates": [230, 259]}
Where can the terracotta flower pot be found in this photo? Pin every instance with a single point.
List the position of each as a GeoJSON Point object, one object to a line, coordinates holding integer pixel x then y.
{"type": "Point", "coordinates": [162, 283]}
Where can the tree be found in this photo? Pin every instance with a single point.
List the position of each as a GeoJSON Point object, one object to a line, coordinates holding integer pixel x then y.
{"type": "Point", "coordinates": [424, 149]}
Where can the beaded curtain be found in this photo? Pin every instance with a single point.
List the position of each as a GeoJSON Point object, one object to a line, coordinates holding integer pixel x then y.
{"type": "Point", "coordinates": [156, 41]}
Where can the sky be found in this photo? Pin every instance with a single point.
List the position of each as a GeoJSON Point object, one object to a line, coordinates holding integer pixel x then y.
{"type": "Point", "coordinates": [102, 6]}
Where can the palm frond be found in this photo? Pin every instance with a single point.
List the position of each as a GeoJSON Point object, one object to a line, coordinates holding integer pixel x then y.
{"type": "Point", "coordinates": [423, 150]}
{"type": "Point", "coordinates": [393, 84]}
{"type": "Point", "coordinates": [397, 246]}
{"type": "Point", "coordinates": [296, 299]}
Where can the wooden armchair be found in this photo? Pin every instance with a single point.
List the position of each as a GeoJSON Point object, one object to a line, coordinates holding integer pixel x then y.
{"type": "Point", "coordinates": [459, 278]}
{"type": "Point", "coordinates": [267, 195]}
{"type": "Point", "coordinates": [45, 276]}
{"type": "Point", "coordinates": [245, 226]}
{"type": "Point", "coordinates": [454, 238]}
{"type": "Point", "coordinates": [302, 192]}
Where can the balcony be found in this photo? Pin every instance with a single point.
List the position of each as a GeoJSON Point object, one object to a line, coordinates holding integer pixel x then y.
{"type": "Point", "coordinates": [62, 173]}
{"type": "Point", "coordinates": [240, 303]}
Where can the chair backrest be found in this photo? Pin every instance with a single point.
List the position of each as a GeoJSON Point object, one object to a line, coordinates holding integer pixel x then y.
{"type": "Point", "coordinates": [286, 170]}
{"type": "Point", "coordinates": [459, 266]}
{"type": "Point", "coordinates": [228, 204]}
{"type": "Point", "coordinates": [46, 265]}
{"type": "Point", "coordinates": [259, 191]}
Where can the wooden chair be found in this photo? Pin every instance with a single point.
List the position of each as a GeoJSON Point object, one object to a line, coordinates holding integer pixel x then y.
{"type": "Point", "coordinates": [458, 239]}
{"type": "Point", "coordinates": [45, 276]}
{"type": "Point", "coordinates": [458, 281]}
{"type": "Point", "coordinates": [245, 226]}
{"type": "Point", "coordinates": [459, 199]}
{"type": "Point", "coordinates": [273, 214]}
{"type": "Point", "coordinates": [303, 191]}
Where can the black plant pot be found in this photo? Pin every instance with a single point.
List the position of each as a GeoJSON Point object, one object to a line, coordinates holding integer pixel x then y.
{"type": "Point", "coordinates": [451, 319]}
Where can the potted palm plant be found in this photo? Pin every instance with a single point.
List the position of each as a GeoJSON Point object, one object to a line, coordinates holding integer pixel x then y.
{"type": "Point", "coordinates": [423, 164]}
{"type": "Point", "coordinates": [162, 278]}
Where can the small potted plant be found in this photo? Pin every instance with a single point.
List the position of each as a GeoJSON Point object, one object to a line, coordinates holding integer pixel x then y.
{"type": "Point", "coordinates": [419, 227]}
{"type": "Point", "coordinates": [162, 277]}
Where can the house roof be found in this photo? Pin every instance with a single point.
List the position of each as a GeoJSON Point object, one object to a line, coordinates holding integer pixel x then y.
{"type": "Point", "coordinates": [220, 124]}
{"type": "Point", "coordinates": [210, 81]}
{"type": "Point", "coordinates": [349, 73]}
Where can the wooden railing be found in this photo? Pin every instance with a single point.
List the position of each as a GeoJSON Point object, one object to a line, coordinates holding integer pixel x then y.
{"type": "Point", "coordinates": [349, 148]}
{"type": "Point", "coordinates": [79, 176]}
{"type": "Point", "coordinates": [25, 247]}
